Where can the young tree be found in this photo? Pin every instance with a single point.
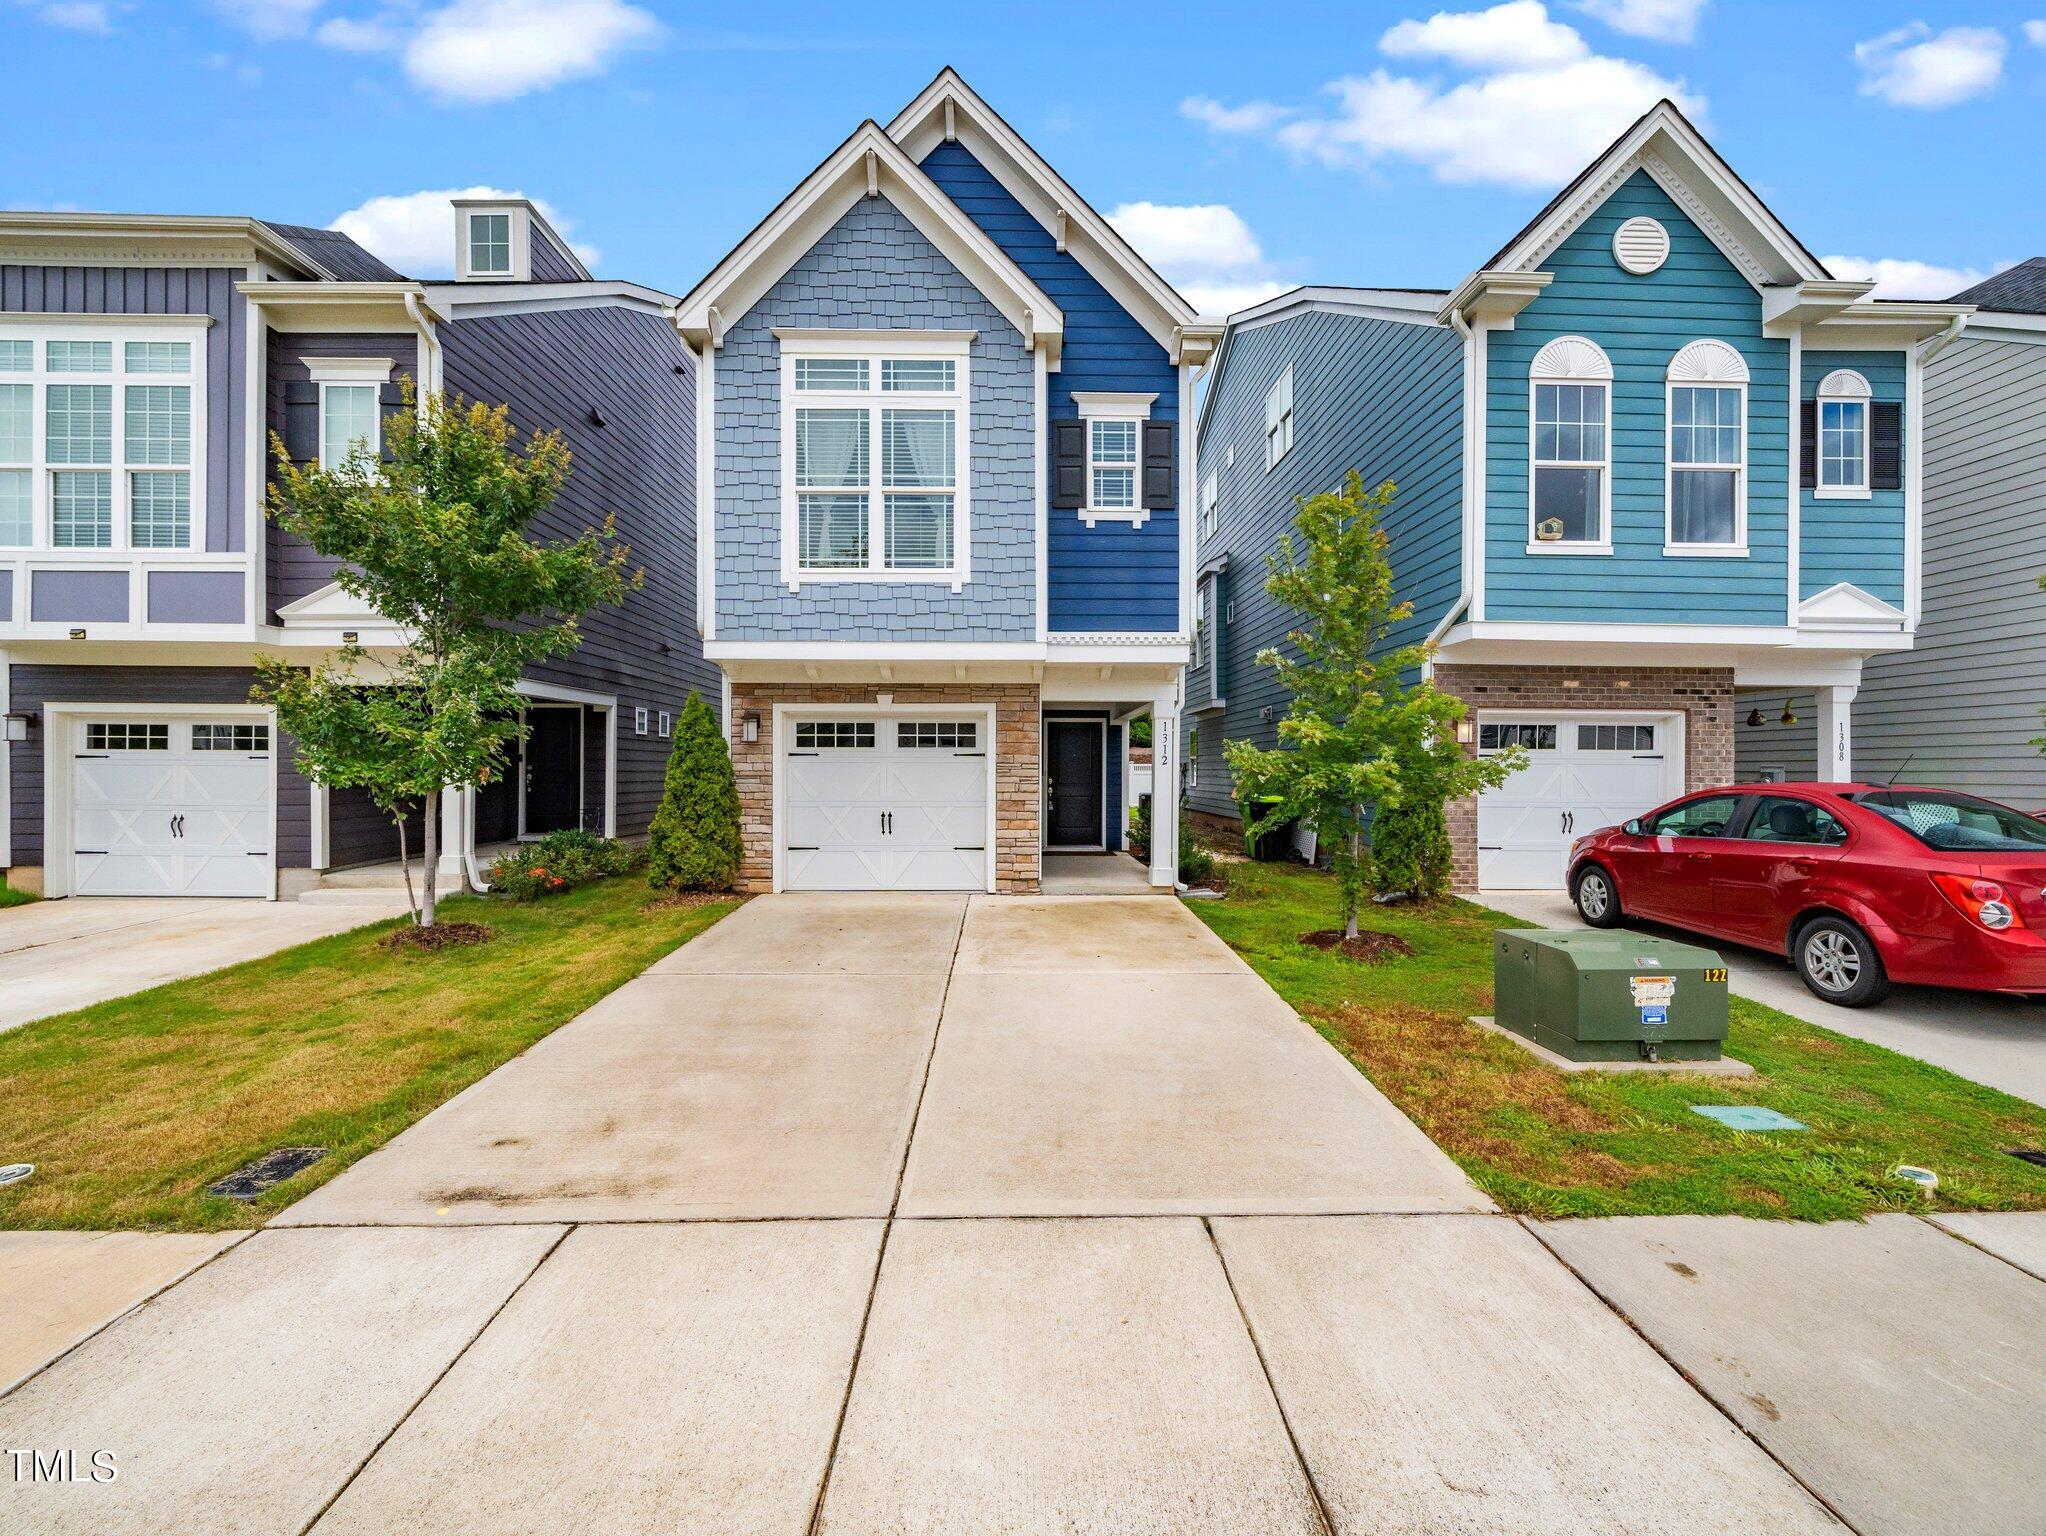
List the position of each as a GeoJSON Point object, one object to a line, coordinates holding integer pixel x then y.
{"type": "Point", "coordinates": [435, 539]}
{"type": "Point", "coordinates": [1364, 728]}
{"type": "Point", "coordinates": [693, 844]}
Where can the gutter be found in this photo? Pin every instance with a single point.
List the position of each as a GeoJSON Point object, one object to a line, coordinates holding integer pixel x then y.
{"type": "Point", "coordinates": [1927, 351]}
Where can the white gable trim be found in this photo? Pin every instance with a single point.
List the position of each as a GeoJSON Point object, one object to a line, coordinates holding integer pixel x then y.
{"type": "Point", "coordinates": [948, 109]}
{"type": "Point", "coordinates": [869, 164]}
{"type": "Point", "coordinates": [1845, 606]}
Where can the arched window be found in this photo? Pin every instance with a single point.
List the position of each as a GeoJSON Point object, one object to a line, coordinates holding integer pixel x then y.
{"type": "Point", "coordinates": [1570, 447]}
{"type": "Point", "coordinates": [1708, 451]}
{"type": "Point", "coordinates": [1843, 434]}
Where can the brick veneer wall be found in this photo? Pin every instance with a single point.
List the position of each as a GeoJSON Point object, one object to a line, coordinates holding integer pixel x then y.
{"type": "Point", "coordinates": [1016, 767]}
{"type": "Point", "coordinates": [1703, 694]}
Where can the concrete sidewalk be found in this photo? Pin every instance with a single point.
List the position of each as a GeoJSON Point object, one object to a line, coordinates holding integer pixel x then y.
{"type": "Point", "coordinates": [2000, 1041]}
{"type": "Point", "coordinates": [934, 1214]}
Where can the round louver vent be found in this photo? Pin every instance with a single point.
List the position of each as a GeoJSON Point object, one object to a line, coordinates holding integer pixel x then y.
{"type": "Point", "coordinates": [1640, 246]}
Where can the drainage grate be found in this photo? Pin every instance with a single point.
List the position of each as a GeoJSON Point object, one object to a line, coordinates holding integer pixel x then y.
{"type": "Point", "coordinates": [270, 1169]}
{"type": "Point", "coordinates": [2036, 1156]}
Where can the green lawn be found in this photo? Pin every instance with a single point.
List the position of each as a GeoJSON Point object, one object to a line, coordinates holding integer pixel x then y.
{"type": "Point", "coordinates": [130, 1108]}
{"type": "Point", "coordinates": [1559, 1144]}
{"type": "Point", "coordinates": [10, 897]}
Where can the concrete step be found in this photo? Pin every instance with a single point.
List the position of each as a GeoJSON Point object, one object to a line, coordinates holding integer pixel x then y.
{"type": "Point", "coordinates": [374, 876]}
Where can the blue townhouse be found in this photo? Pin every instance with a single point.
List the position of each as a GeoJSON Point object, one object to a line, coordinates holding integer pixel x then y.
{"type": "Point", "coordinates": [941, 452]}
{"type": "Point", "coordinates": [144, 364]}
{"type": "Point", "coordinates": [1649, 455]}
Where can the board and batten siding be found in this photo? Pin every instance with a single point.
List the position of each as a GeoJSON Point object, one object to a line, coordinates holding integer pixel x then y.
{"type": "Point", "coordinates": [1641, 322]}
{"type": "Point", "coordinates": [207, 291]}
{"type": "Point", "coordinates": [34, 687]}
{"type": "Point", "coordinates": [1860, 539]}
{"type": "Point", "coordinates": [1961, 707]}
{"type": "Point", "coordinates": [874, 271]}
{"type": "Point", "coordinates": [291, 567]}
{"type": "Point", "coordinates": [563, 370]}
{"type": "Point", "coordinates": [1381, 397]}
{"type": "Point", "coordinates": [1111, 578]}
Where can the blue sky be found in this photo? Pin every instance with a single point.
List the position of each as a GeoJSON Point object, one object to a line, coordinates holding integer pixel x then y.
{"type": "Point", "coordinates": [1244, 148]}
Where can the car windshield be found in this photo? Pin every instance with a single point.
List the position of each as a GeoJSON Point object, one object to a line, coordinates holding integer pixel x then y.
{"type": "Point", "coordinates": [1955, 823]}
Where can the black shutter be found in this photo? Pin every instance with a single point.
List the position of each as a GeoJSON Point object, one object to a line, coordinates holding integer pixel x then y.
{"type": "Point", "coordinates": [390, 400]}
{"type": "Point", "coordinates": [1808, 445]}
{"type": "Point", "coordinates": [302, 420]}
{"type": "Point", "coordinates": [1161, 465]}
{"type": "Point", "coordinates": [1886, 446]}
{"type": "Point", "coordinates": [1069, 464]}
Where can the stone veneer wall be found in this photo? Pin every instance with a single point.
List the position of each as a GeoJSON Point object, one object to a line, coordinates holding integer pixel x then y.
{"type": "Point", "coordinates": [1016, 767]}
{"type": "Point", "coordinates": [1703, 694]}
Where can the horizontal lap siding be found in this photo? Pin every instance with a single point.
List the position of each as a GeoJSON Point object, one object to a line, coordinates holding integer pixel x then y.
{"type": "Point", "coordinates": [168, 291]}
{"type": "Point", "coordinates": [1641, 322]}
{"type": "Point", "coordinates": [1381, 397]}
{"type": "Point", "coordinates": [292, 569]}
{"type": "Point", "coordinates": [1109, 578]}
{"type": "Point", "coordinates": [1859, 541]}
{"type": "Point", "coordinates": [36, 687]}
{"type": "Point", "coordinates": [874, 270]}
{"type": "Point", "coordinates": [553, 369]}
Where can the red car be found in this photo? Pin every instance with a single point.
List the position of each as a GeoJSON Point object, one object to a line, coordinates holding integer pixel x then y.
{"type": "Point", "coordinates": [1859, 884]}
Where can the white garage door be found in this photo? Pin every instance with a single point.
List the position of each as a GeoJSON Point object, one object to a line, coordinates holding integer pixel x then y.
{"type": "Point", "coordinates": [177, 807]}
{"type": "Point", "coordinates": [1583, 772]}
{"type": "Point", "coordinates": [885, 805]}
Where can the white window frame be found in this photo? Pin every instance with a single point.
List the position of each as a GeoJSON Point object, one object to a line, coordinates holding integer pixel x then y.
{"type": "Point", "coordinates": [372, 373]}
{"type": "Point", "coordinates": [1279, 408]}
{"type": "Point", "coordinates": [1843, 386]}
{"type": "Point", "coordinates": [518, 227]}
{"type": "Point", "coordinates": [1096, 406]}
{"type": "Point", "coordinates": [1211, 504]}
{"type": "Point", "coordinates": [116, 330]}
{"type": "Point", "coordinates": [639, 720]}
{"type": "Point", "coordinates": [1704, 364]}
{"type": "Point", "coordinates": [877, 348]}
{"type": "Point", "coordinates": [1571, 360]}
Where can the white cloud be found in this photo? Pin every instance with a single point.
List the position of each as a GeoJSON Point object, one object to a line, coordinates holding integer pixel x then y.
{"type": "Point", "coordinates": [270, 18]}
{"type": "Point", "coordinates": [1539, 105]}
{"type": "Point", "coordinates": [77, 16]}
{"type": "Point", "coordinates": [1663, 21]}
{"type": "Point", "coordinates": [1516, 35]}
{"type": "Point", "coordinates": [415, 231]}
{"type": "Point", "coordinates": [2035, 33]}
{"type": "Point", "coordinates": [493, 50]}
{"type": "Point", "coordinates": [1205, 250]}
{"type": "Point", "coordinates": [358, 34]}
{"type": "Point", "coordinates": [1251, 117]}
{"type": "Point", "coordinates": [1915, 67]}
{"type": "Point", "coordinates": [1896, 278]}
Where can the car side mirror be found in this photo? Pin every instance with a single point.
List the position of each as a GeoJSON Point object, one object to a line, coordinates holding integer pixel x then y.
{"type": "Point", "coordinates": [1633, 828]}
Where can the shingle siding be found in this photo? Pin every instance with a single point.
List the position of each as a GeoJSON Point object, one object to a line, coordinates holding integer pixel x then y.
{"type": "Point", "coordinates": [1641, 322]}
{"type": "Point", "coordinates": [875, 271]}
{"type": "Point", "coordinates": [205, 291]}
{"type": "Point", "coordinates": [1382, 397]}
{"type": "Point", "coordinates": [1111, 577]}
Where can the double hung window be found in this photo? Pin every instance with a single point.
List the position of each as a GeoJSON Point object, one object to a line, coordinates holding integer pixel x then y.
{"type": "Point", "coordinates": [1570, 466]}
{"type": "Point", "coordinates": [1707, 492]}
{"type": "Point", "coordinates": [1842, 406]}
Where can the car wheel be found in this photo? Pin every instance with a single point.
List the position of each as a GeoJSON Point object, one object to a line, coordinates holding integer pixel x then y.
{"type": "Point", "coordinates": [1597, 902]}
{"type": "Point", "coordinates": [1839, 963]}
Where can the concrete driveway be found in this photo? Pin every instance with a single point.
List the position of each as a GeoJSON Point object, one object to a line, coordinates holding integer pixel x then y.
{"type": "Point", "coordinates": [1996, 1040]}
{"type": "Point", "coordinates": [60, 955]}
{"type": "Point", "coordinates": [866, 1214]}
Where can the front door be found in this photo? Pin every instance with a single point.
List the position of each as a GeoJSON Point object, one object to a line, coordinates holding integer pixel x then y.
{"type": "Point", "coordinates": [1073, 754]}
{"type": "Point", "coordinates": [554, 770]}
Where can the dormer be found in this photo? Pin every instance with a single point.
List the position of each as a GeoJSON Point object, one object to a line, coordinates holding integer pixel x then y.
{"type": "Point", "coordinates": [508, 240]}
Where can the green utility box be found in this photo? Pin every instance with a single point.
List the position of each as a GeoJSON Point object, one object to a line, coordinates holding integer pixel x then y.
{"type": "Point", "coordinates": [1610, 996]}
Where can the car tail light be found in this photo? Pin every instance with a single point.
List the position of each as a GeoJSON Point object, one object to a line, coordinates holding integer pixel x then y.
{"type": "Point", "coordinates": [1983, 900]}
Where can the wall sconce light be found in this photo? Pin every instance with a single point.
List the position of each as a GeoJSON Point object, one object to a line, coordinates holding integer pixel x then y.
{"type": "Point", "coordinates": [1755, 717]}
{"type": "Point", "coordinates": [77, 634]}
{"type": "Point", "coordinates": [749, 727]}
{"type": "Point", "coordinates": [1789, 715]}
{"type": "Point", "coordinates": [348, 637]}
{"type": "Point", "coordinates": [19, 723]}
{"type": "Point", "coordinates": [1463, 732]}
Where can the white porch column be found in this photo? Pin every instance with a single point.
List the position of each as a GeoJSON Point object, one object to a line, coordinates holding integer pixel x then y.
{"type": "Point", "coordinates": [1836, 732]}
{"type": "Point", "coordinates": [1165, 791]}
{"type": "Point", "coordinates": [457, 819]}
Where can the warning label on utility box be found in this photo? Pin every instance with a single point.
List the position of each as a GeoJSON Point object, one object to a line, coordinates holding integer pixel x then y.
{"type": "Point", "coordinates": [1653, 991]}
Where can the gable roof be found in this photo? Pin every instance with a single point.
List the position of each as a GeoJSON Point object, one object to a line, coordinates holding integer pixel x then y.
{"type": "Point", "coordinates": [2018, 290]}
{"type": "Point", "coordinates": [335, 253]}
{"type": "Point", "coordinates": [948, 108]}
{"type": "Point", "coordinates": [868, 164]}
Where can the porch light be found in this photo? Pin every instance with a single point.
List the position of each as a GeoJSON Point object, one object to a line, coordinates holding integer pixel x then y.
{"type": "Point", "coordinates": [1789, 715]}
{"type": "Point", "coordinates": [1463, 732]}
{"type": "Point", "coordinates": [749, 728]}
{"type": "Point", "coordinates": [348, 637]}
{"type": "Point", "coordinates": [77, 634]}
{"type": "Point", "coordinates": [1755, 716]}
{"type": "Point", "coordinates": [19, 723]}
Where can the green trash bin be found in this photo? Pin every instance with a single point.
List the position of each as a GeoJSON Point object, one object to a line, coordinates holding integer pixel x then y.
{"type": "Point", "coordinates": [1593, 996]}
{"type": "Point", "coordinates": [1274, 845]}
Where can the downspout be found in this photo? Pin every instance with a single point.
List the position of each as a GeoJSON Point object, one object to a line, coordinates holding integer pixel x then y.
{"type": "Point", "coordinates": [430, 383]}
{"type": "Point", "coordinates": [1462, 328]}
{"type": "Point", "coordinates": [1946, 338]}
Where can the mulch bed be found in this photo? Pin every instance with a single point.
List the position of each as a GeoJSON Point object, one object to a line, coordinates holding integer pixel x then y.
{"type": "Point", "coordinates": [1217, 882]}
{"type": "Point", "coordinates": [1367, 946]}
{"type": "Point", "coordinates": [439, 936]}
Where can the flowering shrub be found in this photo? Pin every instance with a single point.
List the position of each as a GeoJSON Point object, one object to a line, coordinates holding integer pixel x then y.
{"type": "Point", "coordinates": [560, 861]}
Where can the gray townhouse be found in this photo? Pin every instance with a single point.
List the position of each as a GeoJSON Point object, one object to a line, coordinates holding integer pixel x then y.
{"type": "Point", "coordinates": [144, 363]}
